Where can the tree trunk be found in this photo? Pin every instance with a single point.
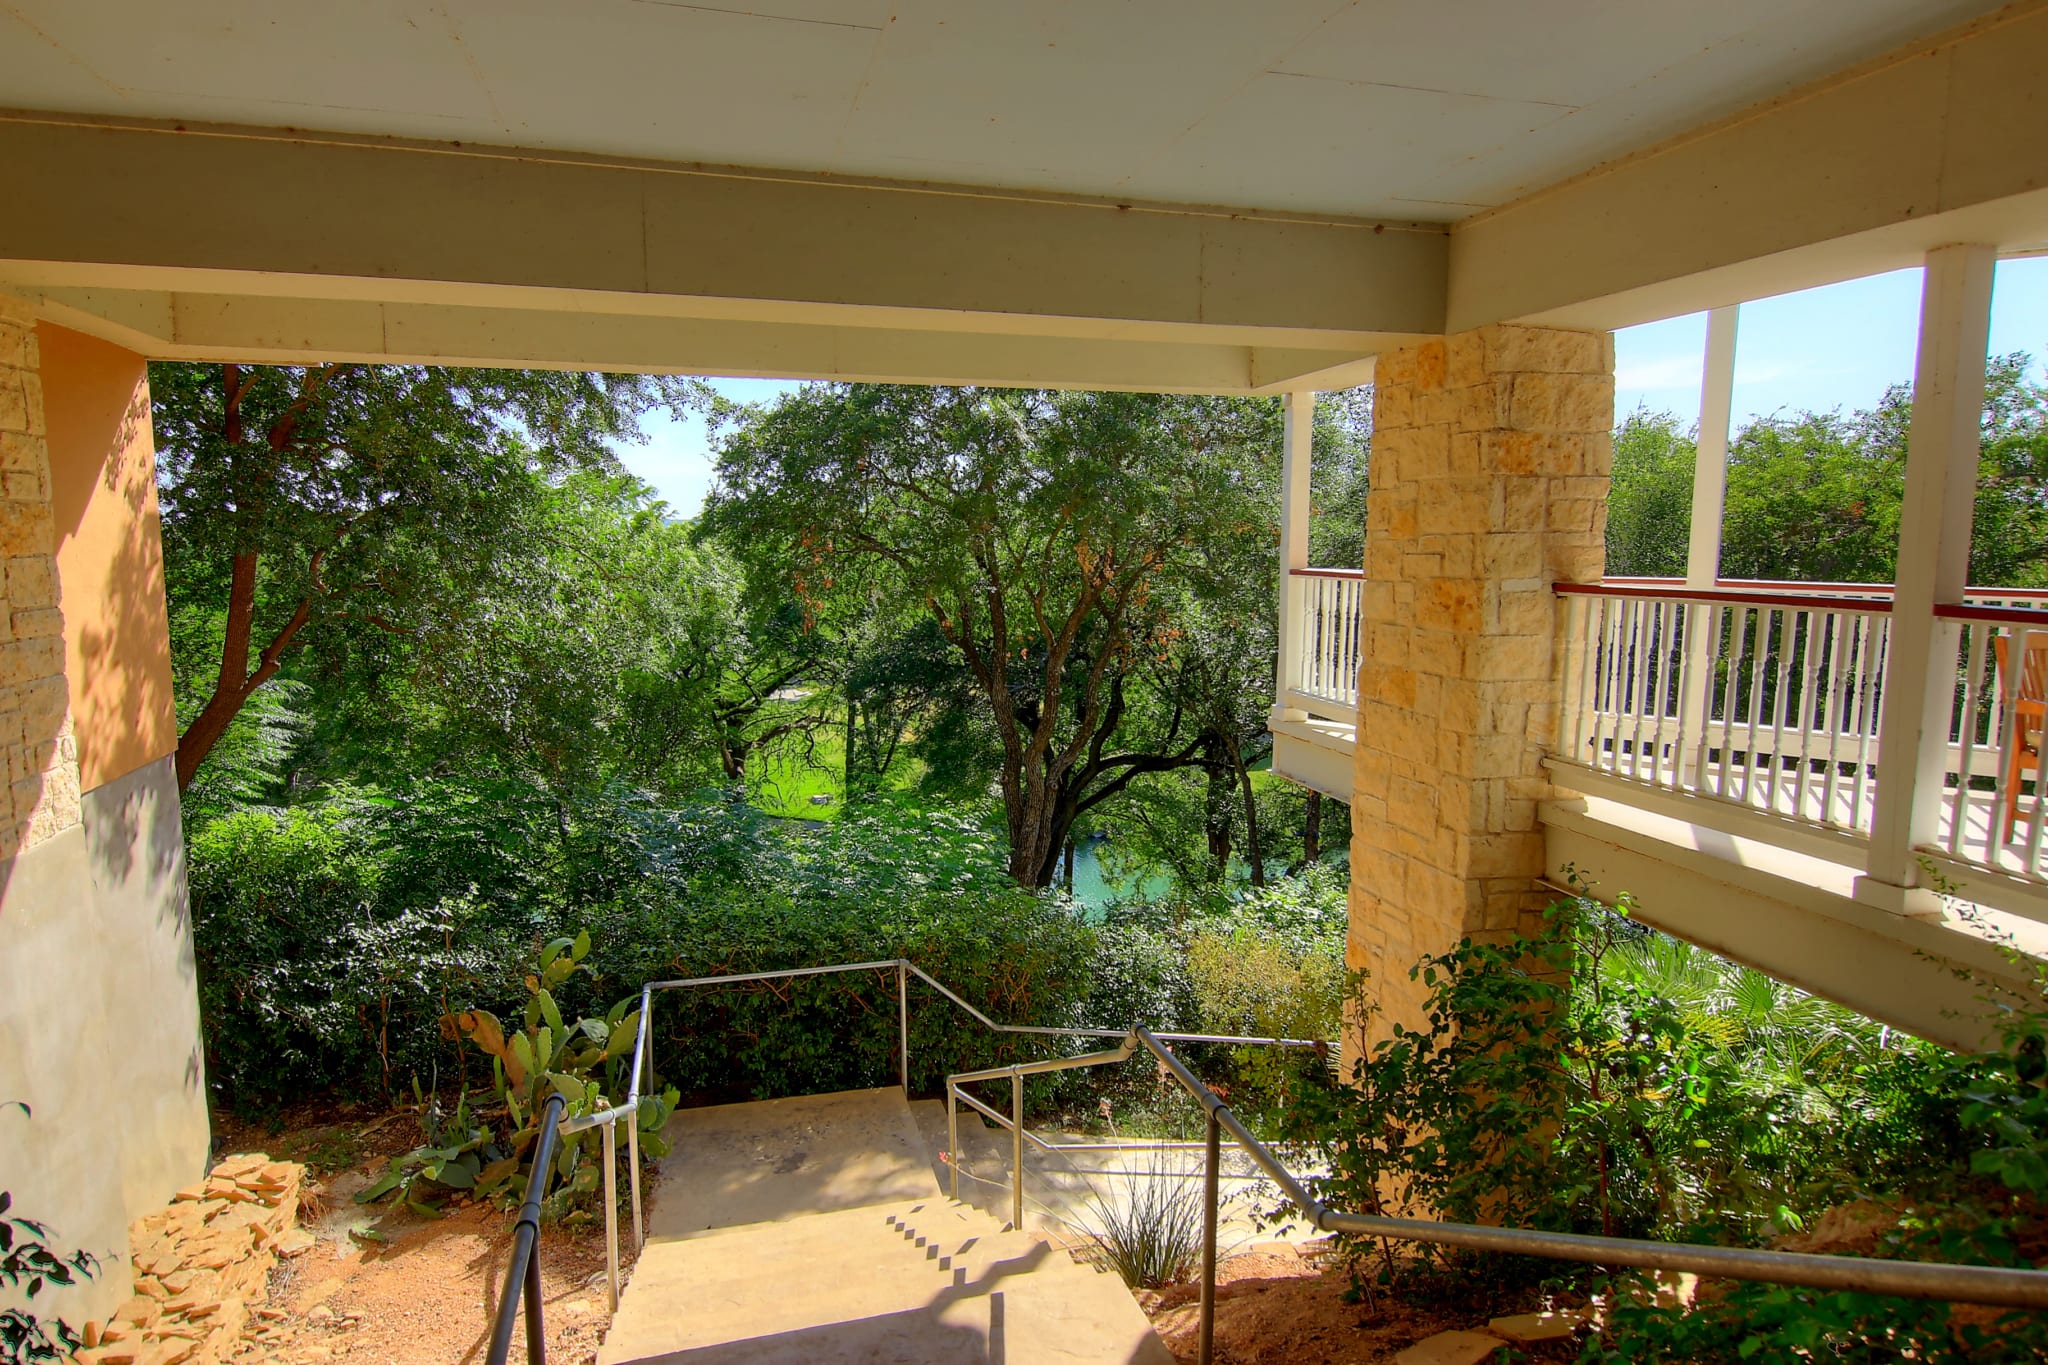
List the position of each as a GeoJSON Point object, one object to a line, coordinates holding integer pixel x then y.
{"type": "Point", "coordinates": [1067, 877]}
{"type": "Point", "coordinates": [1216, 817]}
{"type": "Point", "coordinates": [852, 739]}
{"type": "Point", "coordinates": [1252, 852]}
{"type": "Point", "coordinates": [1312, 830]}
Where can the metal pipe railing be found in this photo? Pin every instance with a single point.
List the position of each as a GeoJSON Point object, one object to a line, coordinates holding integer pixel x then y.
{"type": "Point", "coordinates": [1989, 1285]}
{"type": "Point", "coordinates": [904, 969]}
{"type": "Point", "coordinates": [522, 1274]}
{"type": "Point", "coordinates": [1995, 1286]}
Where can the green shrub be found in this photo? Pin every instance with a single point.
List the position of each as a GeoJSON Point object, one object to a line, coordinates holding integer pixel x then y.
{"type": "Point", "coordinates": [332, 939]}
{"type": "Point", "coordinates": [1589, 1080]}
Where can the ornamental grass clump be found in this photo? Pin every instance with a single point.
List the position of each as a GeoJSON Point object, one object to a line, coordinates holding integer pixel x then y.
{"type": "Point", "coordinates": [1152, 1236]}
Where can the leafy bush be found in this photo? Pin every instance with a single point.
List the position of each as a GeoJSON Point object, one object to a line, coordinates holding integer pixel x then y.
{"type": "Point", "coordinates": [28, 1263]}
{"type": "Point", "coordinates": [1591, 1079]}
{"type": "Point", "coordinates": [333, 938]}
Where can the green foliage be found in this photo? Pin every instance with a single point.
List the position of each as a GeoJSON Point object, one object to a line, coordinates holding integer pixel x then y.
{"type": "Point", "coordinates": [353, 510]}
{"type": "Point", "coordinates": [1649, 502]}
{"type": "Point", "coordinates": [459, 1154]}
{"type": "Point", "coordinates": [1596, 1078]}
{"type": "Point", "coordinates": [587, 1063]}
{"type": "Point", "coordinates": [333, 939]}
{"type": "Point", "coordinates": [28, 1264]}
{"type": "Point", "coordinates": [1078, 553]}
{"type": "Point", "coordinates": [1840, 479]}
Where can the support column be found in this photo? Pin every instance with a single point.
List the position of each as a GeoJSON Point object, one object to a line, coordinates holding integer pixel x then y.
{"type": "Point", "coordinates": [1299, 415]}
{"type": "Point", "coordinates": [1942, 452]}
{"type": "Point", "coordinates": [1710, 452]}
{"type": "Point", "coordinates": [1709, 508]}
{"type": "Point", "coordinates": [40, 800]}
{"type": "Point", "coordinates": [98, 994]}
{"type": "Point", "coordinates": [1491, 456]}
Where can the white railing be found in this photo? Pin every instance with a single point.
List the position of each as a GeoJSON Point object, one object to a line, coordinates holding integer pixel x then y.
{"type": "Point", "coordinates": [1769, 700]}
{"type": "Point", "coordinates": [1328, 603]}
{"type": "Point", "coordinates": [1992, 802]}
{"type": "Point", "coordinates": [1770, 695]}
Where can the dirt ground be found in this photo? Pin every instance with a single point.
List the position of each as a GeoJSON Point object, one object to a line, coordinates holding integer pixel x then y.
{"type": "Point", "coordinates": [1280, 1308]}
{"type": "Point", "coordinates": [1274, 1307]}
{"type": "Point", "coordinates": [391, 1288]}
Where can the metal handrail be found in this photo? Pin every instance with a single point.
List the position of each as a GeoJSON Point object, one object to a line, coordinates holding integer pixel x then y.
{"type": "Point", "coordinates": [522, 1275]}
{"type": "Point", "coordinates": [1996, 1286]}
{"type": "Point", "coordinates": [1990, 1285]}
{"type": "Point", "coordinates": [904, 969]}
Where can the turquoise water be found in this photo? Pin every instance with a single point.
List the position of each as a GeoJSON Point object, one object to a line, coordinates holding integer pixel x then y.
{"type": "Point", "coordinates": [1093, 890]}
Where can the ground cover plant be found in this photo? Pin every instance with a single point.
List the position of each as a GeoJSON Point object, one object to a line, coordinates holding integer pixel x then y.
{"type": "Point", "coordinates": [1597, 1078]}
{"type": "Point", "coordinates": [31, 1260]}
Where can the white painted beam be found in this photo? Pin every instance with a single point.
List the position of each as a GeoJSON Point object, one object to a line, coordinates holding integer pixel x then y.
{"type": "Point", "coordinates": [1863, 172]}
{"type": "Point", "coordinates": [235, 216]}
{"type": "Point", "coordinates": [272, 329]}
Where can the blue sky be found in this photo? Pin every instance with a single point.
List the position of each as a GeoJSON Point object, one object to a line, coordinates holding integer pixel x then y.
{"type": "Point", "coordinates": [1835, 347]}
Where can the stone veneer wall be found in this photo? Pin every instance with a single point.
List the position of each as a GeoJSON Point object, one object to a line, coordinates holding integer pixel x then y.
{"type": "Point", "coordinates": [40, 798]}
{"type": "Point", "coordinates": [1490, 462]}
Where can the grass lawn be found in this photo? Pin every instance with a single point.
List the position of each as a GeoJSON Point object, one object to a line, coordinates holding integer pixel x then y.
{"type": "Point", "coordinates": [784, 774]}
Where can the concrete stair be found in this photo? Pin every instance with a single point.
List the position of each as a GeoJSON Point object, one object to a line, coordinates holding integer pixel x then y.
{"type": "Point", "coordinates": [813, 1230]}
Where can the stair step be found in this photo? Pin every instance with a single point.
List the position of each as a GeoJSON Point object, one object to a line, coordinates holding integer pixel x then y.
{"type": "Point", "coordinates": [813, 1230]}
{"type": "Point", "coordinates": [925, 1280]}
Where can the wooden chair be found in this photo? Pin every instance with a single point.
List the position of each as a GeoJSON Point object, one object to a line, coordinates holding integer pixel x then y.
{"type": "Point", "coordinates": [2025, 695]}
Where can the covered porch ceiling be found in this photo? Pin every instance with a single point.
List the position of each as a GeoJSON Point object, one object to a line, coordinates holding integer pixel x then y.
{"type": "Point", "coordinates": [1224, 197]}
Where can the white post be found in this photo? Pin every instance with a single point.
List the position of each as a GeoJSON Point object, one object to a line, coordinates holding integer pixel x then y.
{"type": "Point", "coordinates": [1709, 503]}
{"type": "Point", "coordinates": [1710, 460]}
{"type": "Point", "coordinates": [1934, 562]}
{"type": "Point", "coordinates": [1299, 413]}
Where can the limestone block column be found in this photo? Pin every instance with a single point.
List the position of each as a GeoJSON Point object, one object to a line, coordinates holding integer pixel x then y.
{"type": "Point", "coordinates": [40, 798]}
{"type": "Point", "coordinates": [1490, 462]}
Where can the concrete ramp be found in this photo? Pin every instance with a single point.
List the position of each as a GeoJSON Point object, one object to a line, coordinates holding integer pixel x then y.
{"type": "Point", "coordinates": [836, 1266]}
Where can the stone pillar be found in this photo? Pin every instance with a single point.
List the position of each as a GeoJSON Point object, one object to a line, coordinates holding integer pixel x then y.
{"type": "Point", "coordinates": [1490, 461]}
{"type": "Point", "coordinates": [41, 799]}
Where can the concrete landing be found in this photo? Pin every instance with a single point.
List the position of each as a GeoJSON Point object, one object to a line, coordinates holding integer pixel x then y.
{"type": "Point", "coordinates": [918, 1282]}
{"type": "Point", "coordinates": [835, 1268]}
{"type": "Point", "coordinates": [734, 1164]}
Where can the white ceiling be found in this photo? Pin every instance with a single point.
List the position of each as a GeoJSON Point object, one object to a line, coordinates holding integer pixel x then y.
{"type": "Point", "coordinates": [1410, 109]}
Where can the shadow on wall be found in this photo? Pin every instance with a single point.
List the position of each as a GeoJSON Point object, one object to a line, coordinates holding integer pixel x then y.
{"type": "Point", "coordinates": [109, 558]}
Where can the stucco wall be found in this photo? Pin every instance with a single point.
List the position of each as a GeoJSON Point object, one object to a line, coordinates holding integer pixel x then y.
{"type": "Point", "coordinates": [99, 1015]}
{"type": "Point", "coordinates": [117, 648]}
{"type": "Point", "coordinates": [99, 1026]}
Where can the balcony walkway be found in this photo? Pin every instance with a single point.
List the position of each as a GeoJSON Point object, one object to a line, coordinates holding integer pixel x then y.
{"type": "Point", "coordinates": [1727, 743]}
{"type": "Point", "coordinates": [813, 1231]}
